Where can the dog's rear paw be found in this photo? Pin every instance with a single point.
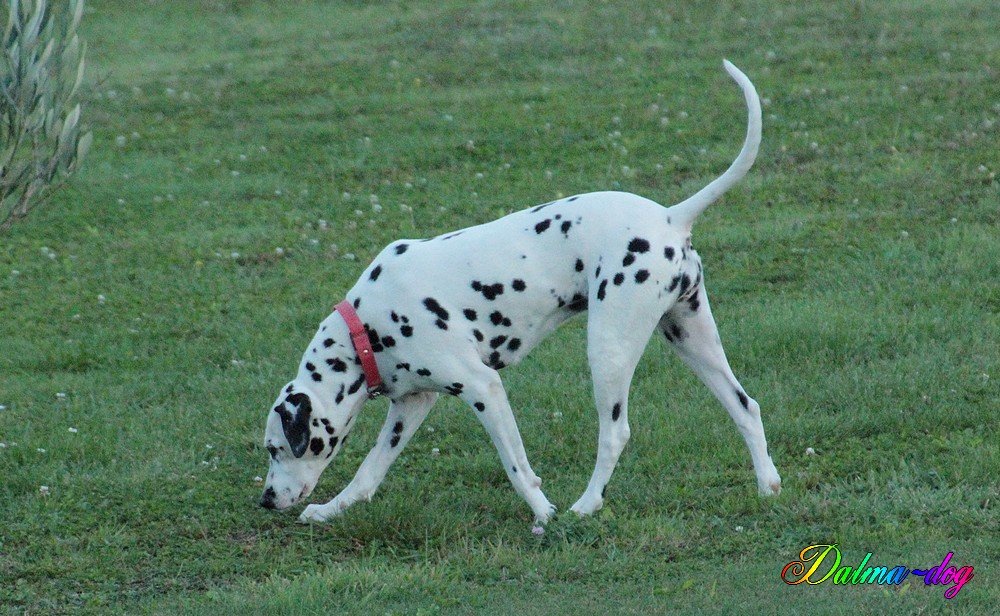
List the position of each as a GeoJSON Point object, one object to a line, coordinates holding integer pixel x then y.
{"type": "Point", "coordinates": [587, 506]}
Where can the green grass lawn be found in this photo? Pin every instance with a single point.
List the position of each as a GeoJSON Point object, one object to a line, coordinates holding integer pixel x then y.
{"type": "Point", "coordinates": [251, 157]}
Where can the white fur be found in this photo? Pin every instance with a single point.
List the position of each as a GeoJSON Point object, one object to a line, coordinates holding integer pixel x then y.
{"type": "Point", "coordinates": [445, 314]}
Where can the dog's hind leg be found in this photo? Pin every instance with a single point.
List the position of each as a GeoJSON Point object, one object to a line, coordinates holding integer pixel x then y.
{"type": "Point", "coordinates": [691, 330]}
{"type": "Point", "coordinates": [617, 334]}
{"type": "Point", "coordinates": [401, 423]}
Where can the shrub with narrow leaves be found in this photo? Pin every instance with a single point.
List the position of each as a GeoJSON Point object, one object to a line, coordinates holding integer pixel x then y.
{"type": "Point", "coordinates": [41, 141]}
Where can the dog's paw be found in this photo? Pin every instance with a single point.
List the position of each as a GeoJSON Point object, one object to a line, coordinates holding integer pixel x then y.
{"type": "Point", "coordinates": [545, 516]}
{"type": "Point", "coordinates": [315, 513]}
{"type": "Point", "coordinates": [586, 505]}
{"type": "Point", "coordinates": [771, 488]}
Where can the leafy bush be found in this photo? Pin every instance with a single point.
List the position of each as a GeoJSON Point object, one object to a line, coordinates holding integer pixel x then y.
{"type": "Point", "coordinates": [41, 142]}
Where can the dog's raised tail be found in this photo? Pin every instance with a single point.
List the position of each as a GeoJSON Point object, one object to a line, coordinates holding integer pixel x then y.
{"type": "Point", "coordinates": [685, 212]}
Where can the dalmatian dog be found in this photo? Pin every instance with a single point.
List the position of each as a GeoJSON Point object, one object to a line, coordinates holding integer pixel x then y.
{"type": "Point", "coordinates": [444, 315]}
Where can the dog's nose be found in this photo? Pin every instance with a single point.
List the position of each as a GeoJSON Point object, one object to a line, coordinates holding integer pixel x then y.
{"type": "Point", "coordinates": [267, 499]}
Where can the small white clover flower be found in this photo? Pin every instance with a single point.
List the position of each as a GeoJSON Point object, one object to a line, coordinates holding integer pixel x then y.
{"type": "Point", "coordinates": [43, 490]}
{"type": "Point", "coordinates": [73, 431]}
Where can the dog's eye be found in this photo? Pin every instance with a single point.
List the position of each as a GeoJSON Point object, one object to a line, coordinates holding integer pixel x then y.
{"type": "Point", "coordinates": [271, 449]}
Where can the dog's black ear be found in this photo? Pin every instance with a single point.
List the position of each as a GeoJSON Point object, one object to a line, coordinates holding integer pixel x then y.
{"type": "Point", "coordinates": [295, 424]}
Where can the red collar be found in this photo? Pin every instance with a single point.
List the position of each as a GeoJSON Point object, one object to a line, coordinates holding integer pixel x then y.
{"type": "Point", "coordinates": [363, 347]}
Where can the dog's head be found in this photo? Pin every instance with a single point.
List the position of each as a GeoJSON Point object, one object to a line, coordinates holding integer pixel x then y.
{"type": "Point", "coordinates": [302, 435]}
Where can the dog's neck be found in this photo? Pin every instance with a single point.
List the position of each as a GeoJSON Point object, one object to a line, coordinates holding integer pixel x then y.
{"type": "Point", "coordinates": [331, 370]}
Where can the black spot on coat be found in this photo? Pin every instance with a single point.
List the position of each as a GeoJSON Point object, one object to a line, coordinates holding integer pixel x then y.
{"type": "Point", "coordinates": [490, 291]}
{"type": "Point", "coordinates": [375, 273]}
{"type": "Point", "coordinates": [432, 305]}
{"type": "Point", "coordinates": [638, 245]}
{"type": "Point", "coordinates": [317, 446]}
{"type": "Point", "coordinates": [498, 319]}
{"type": "Point", "coordinates": [542, 226]}
{"type": "Point", "coordinates": [744, 400]}
{"type": "Point", "coordinates": [356, 385]}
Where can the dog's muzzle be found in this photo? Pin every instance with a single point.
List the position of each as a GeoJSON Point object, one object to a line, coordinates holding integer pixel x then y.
{"type": "Point", "coordinates": [267, 499]}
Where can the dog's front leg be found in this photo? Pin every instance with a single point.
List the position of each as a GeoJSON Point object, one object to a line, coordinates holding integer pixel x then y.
{"type": "Point", "coordinates": [486, 395]}
{"type": "Point", "coordinates": [404, 417]}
